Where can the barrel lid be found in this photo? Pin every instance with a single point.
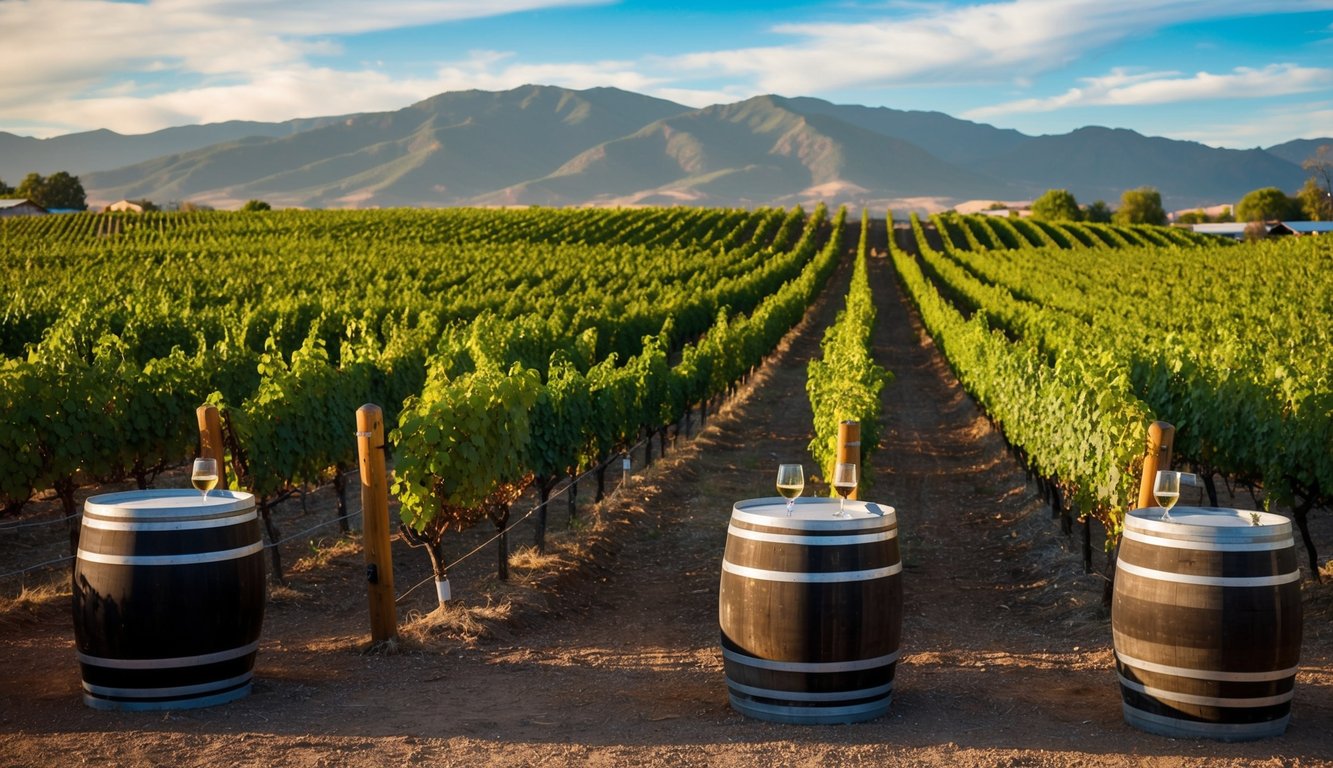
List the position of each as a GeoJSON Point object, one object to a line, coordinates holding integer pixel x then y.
{"type": "Point", "coordinates": [814, 513]}
{"type": "Point", "coordinates": [1211, 522]}
{"type": "Point", "coordinates": [167, 502]}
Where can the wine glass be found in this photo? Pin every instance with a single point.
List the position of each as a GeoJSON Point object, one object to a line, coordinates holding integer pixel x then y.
{"type": "Point", "coordinates": [791, 481]}
{"type": "Point", "coordinates": [844, 482]}
{"type": "Point", "coordinates": [1166, 488]}
{"type": "Point", "coordinates": [204, 476]}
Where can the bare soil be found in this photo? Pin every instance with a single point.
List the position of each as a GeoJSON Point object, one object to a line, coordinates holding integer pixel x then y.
{"type": "Point", "coordinates": [605, 651]}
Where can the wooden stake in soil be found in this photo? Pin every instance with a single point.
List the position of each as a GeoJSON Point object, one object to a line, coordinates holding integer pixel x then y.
{"type": "Point", "coordinates": [210, 440]}
{"type": "Point", "coordinates": [375, 521]}
{"type": "Point", "coordinates": [849, 449]}
{"type": "Point", "coordinates": [1161, 436]}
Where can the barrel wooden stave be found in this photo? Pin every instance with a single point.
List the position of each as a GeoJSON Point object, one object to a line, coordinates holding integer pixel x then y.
{"type": "Point", "coordinates": [810, 612]}
{"type": "Point", "coordinates": [1207, 625]}
{"type": "Point", "coordinates": [168, 603]}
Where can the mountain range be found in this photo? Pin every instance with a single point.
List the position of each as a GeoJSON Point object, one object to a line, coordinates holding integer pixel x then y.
{"type": "Point", "coordinates": [544, 145]}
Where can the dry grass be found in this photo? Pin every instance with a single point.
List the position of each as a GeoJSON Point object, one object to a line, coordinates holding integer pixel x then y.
{"type": "Point", "coordinates": [321, 553]}
{"type": "Point", "coordinates": [468, 624]}
{"type": "Point", "coordinates": [33, 600]}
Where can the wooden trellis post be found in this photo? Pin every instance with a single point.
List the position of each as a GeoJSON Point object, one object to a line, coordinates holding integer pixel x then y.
{"type": "Point", "coordinates": [849, 450]}
{"type": "Point", "coordinates": [375, 522]}
{"type": "Point", "coordinates": [1161, 436]}
{"type": "Point", "coordinates": [210, 440]}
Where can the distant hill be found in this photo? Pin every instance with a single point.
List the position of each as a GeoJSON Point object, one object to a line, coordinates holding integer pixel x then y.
{"type": "Point", "coordinates": [102, 150]}
{"type": "Point", "coordinates": [543, 145]}
{"type": "Point", "coordinates": [1298, 151]}
{"type": "Point", "coordinates": [1100, 163]}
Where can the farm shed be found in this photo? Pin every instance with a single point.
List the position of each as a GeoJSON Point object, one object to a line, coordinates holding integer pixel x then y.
{"type": "Point", "coordinates": [1232, 229]}
{"type": "Point", "coordinates": [20, 207]}
{"type": "Point", "coordinates": [1301, 228]}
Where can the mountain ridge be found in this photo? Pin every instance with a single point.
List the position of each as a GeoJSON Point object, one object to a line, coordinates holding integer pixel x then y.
{"type": "Point", "coordinates": [546, 145]}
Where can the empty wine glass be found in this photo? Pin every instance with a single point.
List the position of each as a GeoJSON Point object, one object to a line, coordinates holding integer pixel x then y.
{"type": "Point", "coordinates": [844, 482]}
{"type": "Point", "coordinates": [204, 475]}
{"type": "Point", "coordinates": [791, 481]}
{"type": "Point", "coordinates": [1166, 489]}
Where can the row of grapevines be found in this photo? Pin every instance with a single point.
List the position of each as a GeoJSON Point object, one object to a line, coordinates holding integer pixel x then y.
{"type": "Point", "coordinates": [83, 404]}
{"type": "Point", "coordinates": [1076, 418]}
{"type": "Point", "coordinates": [469, 445]}
{"type": "Point", "coordinates": [248, 276]}
{"type": "Point", "coordinates": [1228, 343]}
{"type": "Point", "coordinates": [845, 382]}
{"type": "Point", "coordinates": [1221, 341]}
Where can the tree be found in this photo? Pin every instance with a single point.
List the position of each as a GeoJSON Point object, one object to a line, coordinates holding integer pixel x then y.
{"type": "Point", "coordinates": [256, 205]}
{"type": "Point", "coordinates": [59, 190]}
{"type": "Point", "coordinates": [1316, 197]}
{"type": "Point", "coordinates": [1255, 231]}
{"type": "Point", "coordinates": [6, 190]}
{"type": "Point", "coordinates": [1267, 204]}
{"type": "Point", "coordinates": [1320, 166]}
{"type": "Point", "coordinates": [1193, 217]}
{"type": "Point", "coordinates": [1098, 212]}
{"type": "Point", "coordinates": [1056, 205]}
{"type": "Point", "coordinates": [187, 206]}
{"type": "Point", "coordinates": [1315, 202]}
{"type": "Point", "coordinates": [1140, 206]}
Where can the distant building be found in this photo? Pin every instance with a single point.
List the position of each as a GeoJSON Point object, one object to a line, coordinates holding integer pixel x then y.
{"type": "Point", "coordinates": [1301, 228]}
{"type": "Point", "coordinates": [131, 206]}
{"type": "Point", "coordinates": [20, 207]}
{"type": "Point", "coordinates": [1232, 229]}
{"type": "Point", "coordinates": [995, 207]}
{"type": "Point", "coordinates": [1236, 230]}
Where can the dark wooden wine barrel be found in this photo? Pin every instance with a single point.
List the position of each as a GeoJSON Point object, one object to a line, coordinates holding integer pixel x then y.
{"type": "Point", "coordinates": [168, 598]}
{"type": "Point", "coordinates": [810, 608]}
{"type": "Point", "coordinates": [1206, 622]}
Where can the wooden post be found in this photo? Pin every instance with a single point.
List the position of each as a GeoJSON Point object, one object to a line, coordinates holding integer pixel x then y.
{"type": "Point", "coordinates": [849, 450]}
{"type": "Point", "coordinates": [1161, 436]}
{"type": "Point", "coordinates": [210, 440]}
{"type": "Point", "coordinates": [375, 522]}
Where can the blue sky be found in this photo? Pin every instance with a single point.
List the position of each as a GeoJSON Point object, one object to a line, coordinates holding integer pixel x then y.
{"type": "Point", "coordinates": [1223, 72]}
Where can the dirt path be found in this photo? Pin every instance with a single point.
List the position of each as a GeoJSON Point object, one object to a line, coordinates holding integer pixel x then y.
{"type": "Point", "coordinates": [1007, 656]}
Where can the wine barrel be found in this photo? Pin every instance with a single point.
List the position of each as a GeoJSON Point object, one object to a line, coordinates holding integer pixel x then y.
{"type": "Point", "coordinates": [168, 598]}
{"type": "Point", "coordinates": [1206, 622]}
{"type": "Point", "coordinates": [810, 608]}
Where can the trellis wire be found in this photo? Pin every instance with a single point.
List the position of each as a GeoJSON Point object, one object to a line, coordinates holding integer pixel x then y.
{"type": "Point", "coordinates": [525, 516]}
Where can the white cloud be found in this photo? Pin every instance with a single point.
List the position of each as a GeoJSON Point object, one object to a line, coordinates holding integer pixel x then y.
{"type": "Point", "coordinates": [1121, 88]}
{"type": "Point", "coordinates": [96, 56]}
{"type": "Point", "coordinates": [1257, 128]}
{"type": "Point", "coordinates": [136, 67]}
{"type": "Point", "coordinates": [974, 43]}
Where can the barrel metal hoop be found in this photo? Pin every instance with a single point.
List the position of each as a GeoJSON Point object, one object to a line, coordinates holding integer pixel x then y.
{"type": "Point", "coordinates": [1210, 581]}
{"type": "Point", "coordinates": [161, 503]}
{"type": "Point", "coordinates": [1169, 542]}
{"type": "Point", "coordinates": [179, 661]}
{"type": "Point", "coordinates": [184, 524]}
{"type": "Point", "coordinates": [1209, 674]}
{"type": "Point", "coordinates": [855, 665]}
{"type": "Point", "coordinates": [886, 520]}
{"type": "Point", "coordinates": [194, 559]}
{"type": "Point", "coordinates": [813, 541]}
{"type": "Point", "coordinates": [158, 693]}
{"type": "Point", "coordinates": [1206, 701]}
{"type": "Point", "coordinates": [770, 693]}
{"type": "Point", "coordinates": [1175, 727]}
{"type": "Point", "coordinates": [831, 577]}
{"type": "Point", "coordinates": [805, 714]}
